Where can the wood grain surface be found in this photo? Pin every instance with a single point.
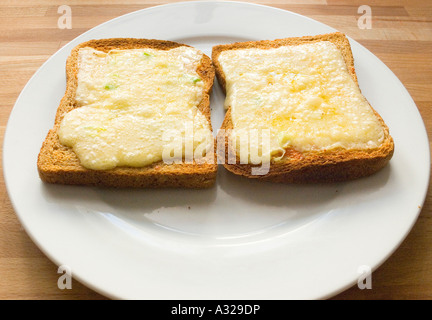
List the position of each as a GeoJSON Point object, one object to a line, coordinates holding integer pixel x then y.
{"type": "Point", "coordinates": [401, 36]}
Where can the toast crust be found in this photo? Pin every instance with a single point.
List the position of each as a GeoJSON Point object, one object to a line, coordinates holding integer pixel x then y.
{"type": "Point", "coordinates": [312, 166]}
{"type": "Point", "coordinates": [59, 164]}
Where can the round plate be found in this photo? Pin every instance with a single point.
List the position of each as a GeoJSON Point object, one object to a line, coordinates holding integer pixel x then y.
{"type": "Point", "coordinates": [241, 239]}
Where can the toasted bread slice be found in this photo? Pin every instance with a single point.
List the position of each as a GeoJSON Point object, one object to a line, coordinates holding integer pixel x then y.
{"type": "Point", "coordinates": [58, 163]}
{"type": "Point", "coordinates": [315, 164]}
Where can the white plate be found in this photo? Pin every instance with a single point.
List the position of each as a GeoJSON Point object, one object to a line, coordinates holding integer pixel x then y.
{"type": "Point", "coordinates": [241, 239]}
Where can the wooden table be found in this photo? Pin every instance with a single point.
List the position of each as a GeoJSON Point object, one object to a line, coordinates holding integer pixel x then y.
{"type": "Point", "coordinates": [401, 36]}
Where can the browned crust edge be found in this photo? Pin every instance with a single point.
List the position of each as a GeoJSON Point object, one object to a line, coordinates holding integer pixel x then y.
{"type": "Point", "coordinates": [309, 167]}
{"type": "Point", "coordinates": [59, 164]}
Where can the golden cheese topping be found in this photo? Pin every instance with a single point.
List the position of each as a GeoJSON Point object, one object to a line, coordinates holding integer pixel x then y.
{"type": "Point", "coordinates": [303, 95]}
{"type": "Point", "coordinates": [129, 101]}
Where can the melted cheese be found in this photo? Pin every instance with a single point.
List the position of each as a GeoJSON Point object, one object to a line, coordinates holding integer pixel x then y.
{"type": "Point", "coordinates": [303, 95]}
{"type": "Point", "coordinates": [129, 101]}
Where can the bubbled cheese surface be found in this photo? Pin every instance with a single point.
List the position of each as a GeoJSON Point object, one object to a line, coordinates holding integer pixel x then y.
{"type": "Point", "coordinates": [128, 100]}
{"type": "Point", "coordinates": [302, 94]}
